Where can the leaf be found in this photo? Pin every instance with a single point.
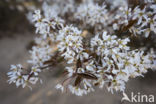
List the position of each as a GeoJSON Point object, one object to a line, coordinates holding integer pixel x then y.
{"type": "Point", "coordinates": [48, 62]}
{"type": "Point", "coordinates": [87, 76]}
{"type": "Point", "coordinates": [78, 81]}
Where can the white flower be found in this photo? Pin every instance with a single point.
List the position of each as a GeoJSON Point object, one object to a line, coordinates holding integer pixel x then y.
{"type": "Point", "coordinates": [91, 66]}
{"type": "Point", "coordinates": [152, 22]}
{"type": "Point", "coordinates": [139, 14]}
{"type": "Point", "coordinates": [77, 91]}
{"type": "Point", "coordinates": [33, 80]}
{"type": "Point", "coordinates": [115, 26]}
{"type": "Point", "coordinates": [37, 15]}
{"type": "Point", "coordinates": [126, 12]}
{"type": "Point", "coordinates": [70, 71]}
{"type": "Point", "coordinates": [59, 86]}
{"type": "Point", "coordinates": [35, 70]}
{"type": "Point", "coordinates": [82, 55]}
{"type": "Point", "coordinates": [153, 7]}
{"type": "Point", "coordinates": [16, 76]}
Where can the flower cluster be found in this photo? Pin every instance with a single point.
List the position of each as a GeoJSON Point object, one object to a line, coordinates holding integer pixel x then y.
{"type": "Point", "coordinates": [118, 63]}
{"type": "Point", "coordinates": [137, 21]}
{"type": "Point", "coordinates": [92, 13]}
{"type": "Point", "coordinates": [18, 76]}
{"type": "Point", "coordinates": [71, 44]}
{"type": "Point", "coordinates": [145, 19]}
{"type": "Point", "coordinates": [94, 57]}
{"type": "Point", "coordinates": [44, 24]}
{"type": "Point", "coordinates": [112, 64]}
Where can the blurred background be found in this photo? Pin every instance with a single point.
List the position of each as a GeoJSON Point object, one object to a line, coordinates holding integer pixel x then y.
{"type": "Point", "coordinates": [16, 38]}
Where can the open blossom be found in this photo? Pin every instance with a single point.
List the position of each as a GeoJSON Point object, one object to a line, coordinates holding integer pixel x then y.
{"type": "Point", "coordinates": [70, 71]}
{"type": "Point", "coordinates": [77, 91]}
{"type": "Point", "coordinates": [35, 70]}
{"type": "Point", "coordinates": [16, 76]}
{"type": "Point", "coordinates": [59, 86]}
{"type": "Point", "coordinates": [37, 15]}
{"type": "Point", "coordinates": [126, 12]}
{"type": "Point", "coordinates": [139, 14]}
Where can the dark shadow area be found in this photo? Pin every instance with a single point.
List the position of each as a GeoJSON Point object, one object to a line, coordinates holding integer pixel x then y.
{"type": "Point", "coordinates": [12, 20]}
